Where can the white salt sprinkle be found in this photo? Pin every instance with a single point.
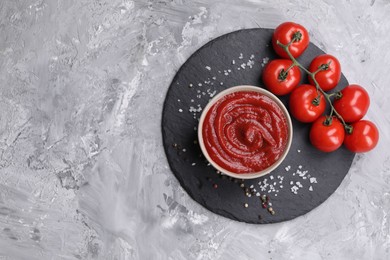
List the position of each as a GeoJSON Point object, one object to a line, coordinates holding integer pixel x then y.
{"type": "Point", "coordinates": [208, 67]}
{"type": "Point", "coordinates": [311, 188]}
{"type": "Point", "coordinates": [180, 110]}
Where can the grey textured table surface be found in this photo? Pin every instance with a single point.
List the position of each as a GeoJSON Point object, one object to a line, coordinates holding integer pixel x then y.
{"type": "Point", "coordinates": [83, 174]}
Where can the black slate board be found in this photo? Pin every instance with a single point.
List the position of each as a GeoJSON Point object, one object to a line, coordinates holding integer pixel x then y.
{"type": "Point", "coordinates": [195, 82]}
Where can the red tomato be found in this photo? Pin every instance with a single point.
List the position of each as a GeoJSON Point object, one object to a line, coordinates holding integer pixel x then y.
{"type": "Point", "coordinates": [327, 138]}
{"type": "Point", "coordinates": [303, 106]}
{"type": "Point", "coordinates": [284, 33]}
{"type": "Point", "coordinates": [364, 137]}
{"type": "Point", "coordinates": [277, 80]}
{"type": "Point", "coordinates": [329, 78]}
{"type": "Point", "coordinates": [353, 104]}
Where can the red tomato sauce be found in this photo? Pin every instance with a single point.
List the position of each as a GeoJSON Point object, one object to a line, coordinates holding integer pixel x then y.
{"type": "Point", "coordinates": [245, 132]}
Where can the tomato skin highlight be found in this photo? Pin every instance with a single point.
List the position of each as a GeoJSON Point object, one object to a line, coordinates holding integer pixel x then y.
{"type": "Point", "coordinates": [353, 104]}
{"type": "Point", "coordinates": [284, 33]}
{"type": "Point", "coordinates": [327, 79]}
{"type": "Point", "coordinates": [327, 138]}
{"type": "Point", "coordinates": [301, 103]}
{"type": "Point", "coordinates": [364, 137]}
{"type": "Point", "coordinates": [271, 79]}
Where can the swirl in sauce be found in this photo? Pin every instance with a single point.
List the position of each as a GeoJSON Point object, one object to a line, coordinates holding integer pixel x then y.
{"type": "Point", "coordinates": [245, 132]}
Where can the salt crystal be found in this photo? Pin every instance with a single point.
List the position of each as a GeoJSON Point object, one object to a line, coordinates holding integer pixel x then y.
{"type": "Point", "coordinates": [294, 189]}
{"type": "Point", "coordinates": [241, 56]}
{"type": "Point", "coordinates": [208, 67]}
{"type": "Point", "coordinates": [291, 182]}
{"type": "Point", "coordinates": [271, 177]}
{"type": "Point", "coordinates": [298, 151]}
{"type": "Point", "coordinates": [180, 110]}
{"type": "Point", "coordinates": [311, 188]}
{"type": "Point", "coordinates": [251, 186]}
{"type": "Point", "coordinates": [221, 83]}
{"type": "Point", "coordinates": [299, 184]}
{"type": "Point", "coordinates": [250, 63]}
{"type": "Point", "coordinates": [258, 194]}
{"type": "Point", "coordinates": [200, 84]}
{"type": "Point", "coordinates": [313, 180]}
{"type": "Point", "coordinates": [233, 62]}
{"type": "Point", "coordinates": [193, 164]}
{"type": "Point", "coordinates": [300, 166]}
{"type": "Point", "coordinates": [184, 150]}
{"type": "Point", "coordinates": [252, 57]}
{"type": "Point", "coordinates": [214, 78]}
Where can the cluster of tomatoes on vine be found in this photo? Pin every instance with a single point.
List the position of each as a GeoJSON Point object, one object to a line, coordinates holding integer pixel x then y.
{"type": "Point", "coordinates": [307, 103]}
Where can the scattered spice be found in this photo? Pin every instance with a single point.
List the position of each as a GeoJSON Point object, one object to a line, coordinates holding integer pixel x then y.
{"type": "Point", "coordinates": [271, 210]}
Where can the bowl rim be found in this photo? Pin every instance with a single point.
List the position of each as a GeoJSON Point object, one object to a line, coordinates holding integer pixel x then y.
{"type": "Point", "coordinates": [239, 89]}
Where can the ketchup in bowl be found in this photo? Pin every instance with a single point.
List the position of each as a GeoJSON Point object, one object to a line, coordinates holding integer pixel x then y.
{"type": "Point", "coordinates": [245, 131]}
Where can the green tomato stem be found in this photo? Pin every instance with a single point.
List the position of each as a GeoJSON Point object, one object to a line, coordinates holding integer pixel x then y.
{"type": "Point", "coordinates": [327, 96]}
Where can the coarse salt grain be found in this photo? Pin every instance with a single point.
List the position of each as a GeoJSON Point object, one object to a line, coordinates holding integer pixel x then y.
{"type": "Point", "coordinates": [208, 67]}
{"type": "Point", "coordinates": [294, 189]}
{"type": "Point", "coordinates": [313, 180]}
{"type": "Point", "coordinates": [311, 188]}
{"type": "Point", "coordinates": [180, 110]}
